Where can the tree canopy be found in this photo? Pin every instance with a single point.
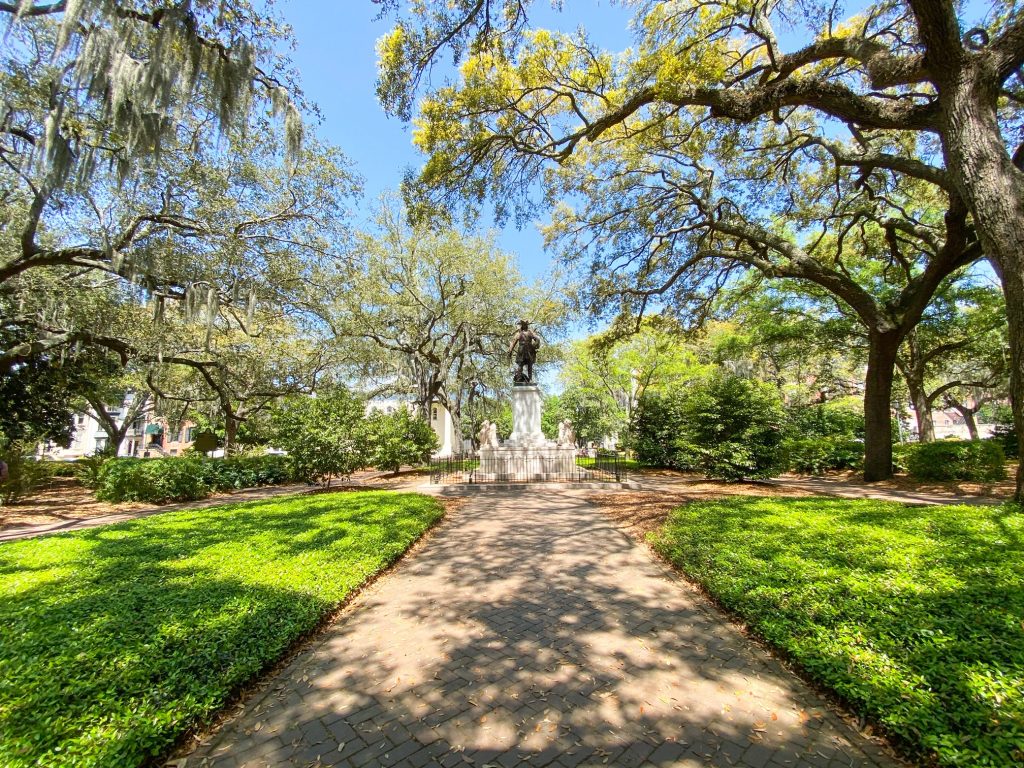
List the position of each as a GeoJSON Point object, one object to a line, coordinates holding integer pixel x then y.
{"type": "Point", "coordinates": [717, 144]}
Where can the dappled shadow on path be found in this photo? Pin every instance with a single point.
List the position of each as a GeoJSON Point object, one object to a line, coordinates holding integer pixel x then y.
{"type": "Point", "coordinates": [530, 631]}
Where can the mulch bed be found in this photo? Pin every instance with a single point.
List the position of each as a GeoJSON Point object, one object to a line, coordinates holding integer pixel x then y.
{"type": "Point", "coordinates": [65, 499]}
{"type": "Point", "coordinates": [641, 512]}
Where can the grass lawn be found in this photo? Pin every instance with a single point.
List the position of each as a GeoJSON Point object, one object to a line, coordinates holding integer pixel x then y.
{"type": "Point", "coordinates": [630, 465]}
{"type": "Point", "coordinates": [914, 615]}
{"type": "Point", "coordinates": [118, 639]}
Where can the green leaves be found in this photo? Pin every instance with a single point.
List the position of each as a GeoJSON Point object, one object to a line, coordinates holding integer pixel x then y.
{"type": "Point", "coordinates": [118, 640]}
{"type": "Point", "coordinates": [981, 460]}
{"type": "Point", "coordinates": [185, 478]}
{"type": "Point", "coordinates": [325, 435]}
{"type": "Point", "coordinates": [726, 427]}
{"type": "Point", "coordinates": [914, 615]}
{"type": "Point", "coordinates": [399, 438]}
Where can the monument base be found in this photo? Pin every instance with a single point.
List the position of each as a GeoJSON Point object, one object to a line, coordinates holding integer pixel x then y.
{"type": "Point", "coordinates": [528, 463]}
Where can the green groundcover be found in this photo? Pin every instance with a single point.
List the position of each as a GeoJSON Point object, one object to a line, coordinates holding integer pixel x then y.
{"type": "Point", "coordinates": [118, 639]}
{"type": "Point", "coordinates": [914, 615]}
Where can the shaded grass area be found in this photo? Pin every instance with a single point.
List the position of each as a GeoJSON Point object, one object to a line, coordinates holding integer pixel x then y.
{"type": "Point", "coordinates": [119, 639]}
{"type": "Point", "coordinates": [914, 615]}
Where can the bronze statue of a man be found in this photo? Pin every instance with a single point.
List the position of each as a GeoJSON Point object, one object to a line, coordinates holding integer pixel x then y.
{"type": "Point", "coordinates": [525, 344]}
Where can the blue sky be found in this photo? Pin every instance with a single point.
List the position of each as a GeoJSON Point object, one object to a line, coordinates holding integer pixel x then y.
{"type": "Point", "coordinates": [336, 58]}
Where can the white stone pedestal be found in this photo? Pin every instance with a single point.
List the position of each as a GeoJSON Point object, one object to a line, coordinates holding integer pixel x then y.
{"type": "Point", "coordinates": [526, 406]}
{"type": "Point", "coordinates": [526, 455]}
{"type": "Point", "coordinates": [525, 464]}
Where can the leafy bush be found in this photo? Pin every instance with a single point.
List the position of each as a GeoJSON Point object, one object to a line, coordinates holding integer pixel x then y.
{"type": "Point", "coordinates": [399, 438]}
{"type": "Point", "coordinates": [1006, 436]}
{"type": "Point", "coordinates": [117, 640]}
{"type": "Point", "coordinates": [186, 478]}
{"type": "Point", "coordinates": [731, 428]}
{"type": "Point", "coordinates": [153, 480]}
{"type": "Point", "coordinates": [727, 427]}
{"type": "Point", "coordinates": [235, 472]}
{"type": "Point", "coordinates": [981, 460]}
{"type": "Point", "coordinates": [24, 473]}
{"type": "Point", "coordinates": [62, 468]}
{"type": "Point", "coordinates": [912, 614]}
{"type": "Point", "coordinates": [815, 455]}
{"type": "Point", "coordinates": [1003, 432]}
{"type": "Point", "coordinates": [324, 435]}
{"type": "Point", "coordinates": [89, 469]}
{"type": "Point", "coordinates": [1007, 439]}
{"type": "Point", "coordinates": [843, 417]}
{"type": "Point", "coordinates": [657, 421]}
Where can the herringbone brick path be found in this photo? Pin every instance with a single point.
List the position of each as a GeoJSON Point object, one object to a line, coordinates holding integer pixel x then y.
{"type": "Point", "coordinates": [530, 631]}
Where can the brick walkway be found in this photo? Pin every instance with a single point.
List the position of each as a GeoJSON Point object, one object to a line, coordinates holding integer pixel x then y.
{"type": "Point", "coordinates": [530, 631]}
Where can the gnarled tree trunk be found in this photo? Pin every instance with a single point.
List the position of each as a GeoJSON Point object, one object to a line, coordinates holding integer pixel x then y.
{"type": "Point", "coordinates": [882, 348]}
{"type": "Point", "coordinates": [993, 188]}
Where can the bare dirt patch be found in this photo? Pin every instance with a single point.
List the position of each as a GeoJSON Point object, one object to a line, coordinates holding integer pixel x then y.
{"type": "Point", "coordinates": [641, 512]}
{"type": "Point", "coordinates": [62, 499]}
{"type": "Point", "coordinates": [1002, 489]}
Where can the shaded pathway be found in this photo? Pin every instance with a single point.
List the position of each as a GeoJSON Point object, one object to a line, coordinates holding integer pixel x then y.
{"type": "Point", "coordinates": [851, 489]}
{"type": "Point", "coordinates": [530, 631]}
{"type": "Point", "coordinates": [362, 478]}
{"type": "Point", "coordinates": [841, 486]}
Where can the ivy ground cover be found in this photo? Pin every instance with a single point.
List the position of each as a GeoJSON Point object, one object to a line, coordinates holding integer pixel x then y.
{"type": "Point", "coordinates": [116, 640]}
{"type": "Point", "coordinates": [914, 615]}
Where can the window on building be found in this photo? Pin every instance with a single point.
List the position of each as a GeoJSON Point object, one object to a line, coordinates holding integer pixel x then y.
{"type": "Point", "coordinates": [433, 413]}
{"type": "Point", "coordinates": [101, 444]}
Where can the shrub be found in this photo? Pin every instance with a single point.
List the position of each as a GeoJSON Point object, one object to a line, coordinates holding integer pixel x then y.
{"type": "Point", "coordinates": [89, 468]}
{"type": "Point", "coordinates": [956, 460]}
{"type": "Point", "coordinates": [815, 455]}
{"type": "Point", "coordinates": [838, 417]}
{"type": "Point", "coordinates": [248, 471]}
{"type": "Point", "coordinates": [153, 480]}
{"type": "Point", "coordinates": [62, 468]}
{"type": "Point", "coordinates": [657, 421]}
{"type": "Point", "coordinates": [24, 473]}
{"type": "Point", "coordinates": [186, 478]}
{"type": "Point", "coordinates": [324, 435]}
{"type": "Point", "coordinates": [399, 438]}
{"type": "Point", "coordinates": [1006, 437]}
{"type": "Point", "coordinates": [732, 428]}
{"type": "Point", "coordinates": [1004, 432]}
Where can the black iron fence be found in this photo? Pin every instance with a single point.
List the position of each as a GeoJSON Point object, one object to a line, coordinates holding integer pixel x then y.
{"type": "Point", "coordinates": [605, 467]}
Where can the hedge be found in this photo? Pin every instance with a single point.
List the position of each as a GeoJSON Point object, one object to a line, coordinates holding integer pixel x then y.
{"type": "Point", "coordinates": [815, 455]}
{"type": "Point", "coordinates": [981, 460]}
{"type": "Point", "coordinates": [186, 478]}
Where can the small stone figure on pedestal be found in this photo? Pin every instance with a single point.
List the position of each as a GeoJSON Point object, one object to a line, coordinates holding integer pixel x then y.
{"type": "Point", "coordinates": [566, 434]}
{"type": "Point", "coordinates": [525, 344]}
{"type": "Point", "coordinates": [488, 435]}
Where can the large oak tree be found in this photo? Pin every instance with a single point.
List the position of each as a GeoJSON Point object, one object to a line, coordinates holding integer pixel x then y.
{"type": "Point", "coordinates": [920, 96]}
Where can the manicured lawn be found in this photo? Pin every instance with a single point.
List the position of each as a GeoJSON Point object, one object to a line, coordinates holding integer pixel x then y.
{"type": "Point", "coordinates": [116, 640]}
{"type": "Point", "coordinates": [915, 615]}
{"type": "Point", "coordinates": [630, 465]}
